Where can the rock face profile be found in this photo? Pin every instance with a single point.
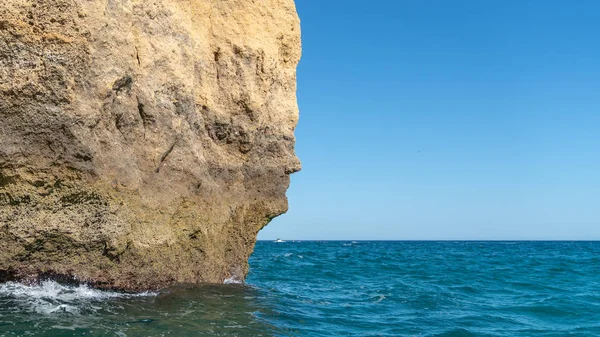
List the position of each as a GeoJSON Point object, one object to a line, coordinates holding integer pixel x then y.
{"type": "Point", "coordinates": [143, 143]}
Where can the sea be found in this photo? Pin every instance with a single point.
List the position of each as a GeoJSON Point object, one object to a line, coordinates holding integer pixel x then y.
{"type": "Point", "coordinates": [343, 288]}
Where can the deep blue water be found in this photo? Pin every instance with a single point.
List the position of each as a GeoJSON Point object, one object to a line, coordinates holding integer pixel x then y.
{"type": "Point", "coordinates": [345, 289]}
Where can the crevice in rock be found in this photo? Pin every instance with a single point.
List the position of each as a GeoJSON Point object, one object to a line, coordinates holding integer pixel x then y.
{"type": "Point", "coordinates": [84, 156]}
{"type": "Point", "coordinates": [124, 82]}
{"type": "Point", "coordinates": [164, 157]}
{"type": "Point", "coordinates": [195, 235]}
{"type": "Point", "coordinates": [217, 56]}
{"type": "Point", "coordinates": [137, 56]}
{"type": "Point", "coordinates": [118, 123]}
{"type": "Point", "coordinates": [246, 109]}
{"type": "Point", "coordinates": [146, 119]}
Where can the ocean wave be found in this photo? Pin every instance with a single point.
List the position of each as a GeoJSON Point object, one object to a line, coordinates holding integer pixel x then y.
{"type": "Point", "coordinates": [50, 297]}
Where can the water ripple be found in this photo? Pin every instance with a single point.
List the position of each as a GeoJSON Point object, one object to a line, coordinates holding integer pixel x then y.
{"type": "Point", "coordinates": [495, 289]}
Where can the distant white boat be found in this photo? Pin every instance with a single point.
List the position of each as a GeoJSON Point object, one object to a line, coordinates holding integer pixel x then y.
{"type": "Point", "coordinates": [278, 240]}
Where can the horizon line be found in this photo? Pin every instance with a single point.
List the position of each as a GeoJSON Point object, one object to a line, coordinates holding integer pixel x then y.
{"type": "Point", "coordinates": [445, 240]}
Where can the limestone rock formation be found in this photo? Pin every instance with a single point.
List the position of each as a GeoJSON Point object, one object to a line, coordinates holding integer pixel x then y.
{"type": "Point", "coordinates": [143, 143]}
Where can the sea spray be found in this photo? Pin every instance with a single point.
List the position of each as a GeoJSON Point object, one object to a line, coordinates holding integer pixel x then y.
{"type": "Point", "coordinates": [50, 297]}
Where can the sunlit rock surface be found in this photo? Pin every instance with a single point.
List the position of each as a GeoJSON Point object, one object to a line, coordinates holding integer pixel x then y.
{"type": "Point", "coordinates": [143, 143]}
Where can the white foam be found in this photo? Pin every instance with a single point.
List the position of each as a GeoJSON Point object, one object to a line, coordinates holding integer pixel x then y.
{"type": "Point", "coordinates": [381, 298]}
{"type": "Point", "coordinates": [50, 297]}
{"type": "Point", "coordinates": [232, 280]}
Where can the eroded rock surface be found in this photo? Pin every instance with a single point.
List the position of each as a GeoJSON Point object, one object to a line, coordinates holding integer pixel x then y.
{"type": "Point", "coordinates": [143, 143]}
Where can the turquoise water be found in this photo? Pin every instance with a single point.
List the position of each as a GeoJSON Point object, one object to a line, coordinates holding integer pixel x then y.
{"type": "Point", "coordinates": [344, 289]}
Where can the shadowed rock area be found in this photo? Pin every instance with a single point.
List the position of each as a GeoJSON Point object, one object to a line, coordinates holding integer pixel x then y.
{"type": "Point", "coordinates": [143, 143]}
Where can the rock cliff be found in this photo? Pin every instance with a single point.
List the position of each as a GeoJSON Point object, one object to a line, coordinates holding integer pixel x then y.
{"type": "Point", "coordinates": [143, 143]}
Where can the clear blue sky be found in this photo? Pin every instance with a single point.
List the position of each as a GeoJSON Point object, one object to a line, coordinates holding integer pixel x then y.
{"type": "Point", "coordinates": [447, 120]}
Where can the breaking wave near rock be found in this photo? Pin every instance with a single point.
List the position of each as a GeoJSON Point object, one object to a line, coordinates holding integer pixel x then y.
{"type": "Point", "coordinates": [50, 297]}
